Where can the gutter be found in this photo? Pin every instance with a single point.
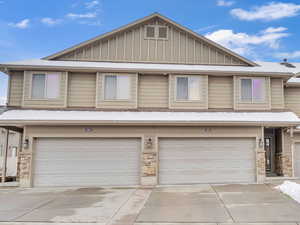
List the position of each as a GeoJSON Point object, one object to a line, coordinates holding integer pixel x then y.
{"type": "Point", "coordinates": [139, 70]}
{"type": "Point", "coordinates": [144, 123]}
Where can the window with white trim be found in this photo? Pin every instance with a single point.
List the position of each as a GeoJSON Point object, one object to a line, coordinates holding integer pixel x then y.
{"type": "Point", "coordinates": [188, 88]}
{"type": "Point", "coordinates": [253, 90]}
{"type": "Point", "coordinates": [156, 32]}
{"type": "Point", "coordinates": [116, 87]}
{"type": "Point", "coordinates": [45, 85]}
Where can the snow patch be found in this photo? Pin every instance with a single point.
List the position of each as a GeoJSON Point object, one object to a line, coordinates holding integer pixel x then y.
{"type": "Point", "coordinates": [291, 189]}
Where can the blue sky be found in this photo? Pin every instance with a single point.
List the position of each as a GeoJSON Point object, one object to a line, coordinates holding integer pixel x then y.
{"type": "Point", "coordinates": [256, 29]}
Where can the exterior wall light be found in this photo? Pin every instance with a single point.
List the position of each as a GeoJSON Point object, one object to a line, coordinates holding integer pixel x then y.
{"type": "Point", "coordinates": [149, 142]}
{"type": "Point", "coordinates": [261, 143]}
{"type": "Point", "coordinates": [26, 144]}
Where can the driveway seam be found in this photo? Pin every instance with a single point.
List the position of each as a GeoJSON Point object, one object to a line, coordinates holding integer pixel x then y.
{"type": "Point", "coordinates": [222, 202]}
{"type": "Point", "coordinates": [137, 216]}
{"type": "Point", "coordinates": [38, 207]}
{"type": "Point", "coordinates": [121, 206]}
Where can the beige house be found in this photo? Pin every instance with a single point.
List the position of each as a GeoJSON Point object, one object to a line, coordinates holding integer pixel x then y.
{"type": "Point", "coordinates": [153, 103]}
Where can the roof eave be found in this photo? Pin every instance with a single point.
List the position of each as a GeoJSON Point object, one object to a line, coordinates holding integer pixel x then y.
{"type": "Point", "coordinates": [145, 123]}
{"type": "Point", "coordinates": [137, 70]}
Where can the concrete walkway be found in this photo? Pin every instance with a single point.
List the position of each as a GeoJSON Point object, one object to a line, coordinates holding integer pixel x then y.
{"type": "Point", "coordinates": [186, 205]}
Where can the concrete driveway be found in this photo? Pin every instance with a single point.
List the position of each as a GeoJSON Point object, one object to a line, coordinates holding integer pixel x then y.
{"type": "Point", "coordinates": [187, 205]}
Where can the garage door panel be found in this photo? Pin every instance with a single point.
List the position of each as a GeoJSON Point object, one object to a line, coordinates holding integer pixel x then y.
{"type": "Point", "coordinates": [206, 160]}
{"type": "Point", "coordinates": [86, 161]}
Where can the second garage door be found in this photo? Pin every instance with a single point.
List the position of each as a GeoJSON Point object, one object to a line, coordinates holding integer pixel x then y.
{"type": "Point", "coordinates": [206, 160]}
{"type": "Point", "coordinates": [86, 161]}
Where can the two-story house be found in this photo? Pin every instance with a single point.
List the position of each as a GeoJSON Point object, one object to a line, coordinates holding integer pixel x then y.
{"type": "Point", "coordinates": [153, 103]}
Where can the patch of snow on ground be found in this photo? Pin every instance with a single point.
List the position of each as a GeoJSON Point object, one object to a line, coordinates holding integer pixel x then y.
{"type": "Point", "coordinates": [291, 189]}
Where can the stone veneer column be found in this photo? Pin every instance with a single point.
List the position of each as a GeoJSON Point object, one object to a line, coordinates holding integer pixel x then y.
{"type": "Point", "coordinates": [25, 168]}
{"type": "Point", "coordinates": [287, 163]}
{"type": "Point", "coordinates": [149, 161]}
{"type": "Point", "coordinates": [260, 166]}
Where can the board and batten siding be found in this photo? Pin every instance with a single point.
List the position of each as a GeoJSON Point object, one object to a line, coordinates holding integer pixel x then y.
{"type": "Point", "coordinates": [277, 93]}
{"type": "Point", "coordinates": [116, 104]}
{"type": "Point", "coordinates": [82, 90]}
{"type": "Point", "coordinates": [292, 99]}
{"type": "Point", "coordinates": [132, 46]}
{"type": "Point", "coordinates": [220, 92]}
{"type": "Point", "coordinates": [153, 91]}
{"type": "Point", "coordinates": [60, 102]}
{"type": "Point", "coordinates": [16, 88]}
{"type": "Point", "coordinates": [189, 104]}
{"type": "Point", "coordinates": [238, 105]}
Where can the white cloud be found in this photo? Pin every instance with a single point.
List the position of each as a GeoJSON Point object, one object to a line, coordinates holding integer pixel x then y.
{"type": "Point", "coordinates": [50, 21]}
{"type": "Point", "coordinates": [91, 4]}
{"type": "Point", "coordinates": [2, 100]}
{"type": "Point", "coordinates": [269, 12]}
{"type": "Point", "coordinates": [206, 28]}
{"type": "Point", "coordinates": [225, 3]}
{"type": "Point", "coordinates": [288, 55]}
{"type": "Point", "coordinates": [23, 24]}
{"type": "Point", "coordinates": [82, 16]}
{"type": "Point", "coordinates": [244, 43]}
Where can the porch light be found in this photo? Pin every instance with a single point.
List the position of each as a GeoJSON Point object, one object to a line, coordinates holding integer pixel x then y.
{"type": "Point", "coordinates": [26, 143]}
{"type": "Point", "coordinates": [261, 143]}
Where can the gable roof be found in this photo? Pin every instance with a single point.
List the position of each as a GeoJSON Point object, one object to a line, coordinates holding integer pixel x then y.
{"type": "Point", "coordinates": [140, 21]}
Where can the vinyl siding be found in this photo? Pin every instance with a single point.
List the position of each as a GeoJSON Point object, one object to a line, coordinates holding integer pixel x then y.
{"type": "Point", "coordinates": [195, 104]}
{"type": "Point", "coordinates": [16, 88]}
{"type": "Point", "coordinates": [116, 104]}
{"type": "Point", "coordinates": [238, 105]}
{"type": "Point", "coordinates": [28, 102]}
{"type": "Point", "coordinates": [277, 95]}
{"type": "Point", "coordinates": [220, 92]}
{"type": "Point", "coordinates": [82, 90]}
{"type": "Point", "coordinates": [292, 99]}
{"type": "Point", "coordinates": [132, 46]}
{"type": "Point", "coordinates": [153, 91]}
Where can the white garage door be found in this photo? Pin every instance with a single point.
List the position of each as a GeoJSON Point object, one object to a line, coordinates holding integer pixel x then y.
{"type": "Point", "coordinates": [206, 160]}
{"type": "Point", "coordinates": [297, 160]}
{"type": "Point", "coordinates": [86, 162]}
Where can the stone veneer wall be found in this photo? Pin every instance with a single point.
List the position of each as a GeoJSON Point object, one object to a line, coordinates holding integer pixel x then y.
{"type": "Point", "coordinates": [287, 154]}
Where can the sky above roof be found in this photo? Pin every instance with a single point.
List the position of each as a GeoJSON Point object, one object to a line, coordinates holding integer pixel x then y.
{"type": "Point", "coordinates": [256, 29]}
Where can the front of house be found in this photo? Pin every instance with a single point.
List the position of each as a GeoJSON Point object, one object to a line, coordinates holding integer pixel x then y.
{"type": "Point", "coordinates": [152, 103]}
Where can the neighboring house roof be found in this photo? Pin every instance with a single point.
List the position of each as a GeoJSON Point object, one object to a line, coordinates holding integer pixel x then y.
{"type": "Point", "coordinates": [48, 117]}
{"type": "Point", "coordinates": [293, 82]}
{"type": "Point", "coordinates": [141, 21]}
{"type": "Point", "coordinates": [270, 68]}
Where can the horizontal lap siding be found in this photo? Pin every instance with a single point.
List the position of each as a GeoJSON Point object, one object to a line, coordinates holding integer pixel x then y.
{"type": "Point", "coordinates": [16, 88]}
{"type": "Point", "coordinates": [47, 103]}
{"type": "Point", "coordinates": [220, 92]}
{"type": "Point", "coordinates": [277, 96]}
{"type": "Point", "coordinates": [131, 45]}
{"type": "Point", "coordinates": [82, 90]}
{"type": "Point", "coordinates": [153, 91]}
{"type": "Point", "coordinates": [292, 99]}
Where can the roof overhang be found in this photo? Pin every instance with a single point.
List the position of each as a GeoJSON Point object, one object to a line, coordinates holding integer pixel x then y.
{"type": "Point", "coordinates": [92, 118]}
{"type": "Point", "coordinates": [150, 68]}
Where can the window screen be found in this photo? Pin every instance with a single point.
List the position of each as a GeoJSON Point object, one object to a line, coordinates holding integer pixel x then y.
{"type": "Point", "coordinates": [246, 89]}
{"type": "Point", "coordinates": [38, 86]}
{"type": "Point", "coordinates": [182, 88]}
{"type": "Point", "coordinates": [194, 88]}
{"type": "Point", "coordinates": [110, 87]}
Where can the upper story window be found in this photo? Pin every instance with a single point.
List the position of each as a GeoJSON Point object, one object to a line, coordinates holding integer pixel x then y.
{"type": "Point", "coordinates": [156, 32]}
{"type": "Point", "coordinates": [188, 88]}
{"type": "Point", "coordinates": [116, 87]}
{"type": "Point", "coordinates": [253, 90]}
{"type": "Point", "coordinates": [45, 85]}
